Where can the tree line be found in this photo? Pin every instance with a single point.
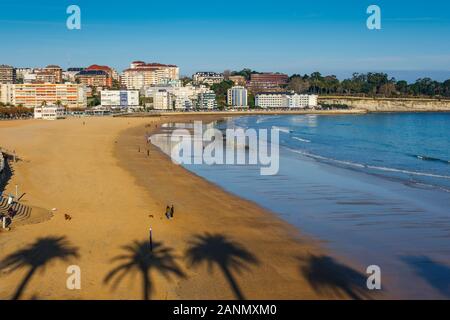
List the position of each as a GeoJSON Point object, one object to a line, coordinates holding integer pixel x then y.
{"type": "Point", "coordinates": [12, 112]}
{"type": "Point", "coordinates": [361, 84]}
{"type": "Point", "coordinates": [368, 84]}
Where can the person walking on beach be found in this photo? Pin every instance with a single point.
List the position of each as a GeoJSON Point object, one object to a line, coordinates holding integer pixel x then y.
{"type": "Point", "coordinates": [171, 211]}
{"type": "Point", "coordinates": [168, 212]}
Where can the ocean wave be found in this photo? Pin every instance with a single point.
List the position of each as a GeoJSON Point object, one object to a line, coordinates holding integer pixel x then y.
{"type": "Point", "coordinates": [426, 158]}
{"type": "Point", "coordinates": [282, 129]}
{"type": "Point", "coordinates": [302, 140]}
{"type": "Point", "coordinates": [360, 165]}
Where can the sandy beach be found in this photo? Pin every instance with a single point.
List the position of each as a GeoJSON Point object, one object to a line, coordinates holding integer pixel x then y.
{"type": "Point", "coordinates": [108, 190]}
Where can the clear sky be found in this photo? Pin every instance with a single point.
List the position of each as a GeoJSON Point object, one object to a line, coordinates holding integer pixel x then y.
{"type": "Point", "coordinates": [287, 36]}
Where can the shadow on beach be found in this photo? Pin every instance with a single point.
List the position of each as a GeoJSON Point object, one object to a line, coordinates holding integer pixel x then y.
{"type": "Point", "coordinates": [331, 278]}
{"type": "Point", "coordinates": [139, 257]}
{"type": "Point", "coordinates": [36, 257]}
{"type": "Point", "coordinates": [227, 255]}
{"type": "Point", "coordinates": [434, 273]}
{"type": "Point", "coordinates": [5, 176]}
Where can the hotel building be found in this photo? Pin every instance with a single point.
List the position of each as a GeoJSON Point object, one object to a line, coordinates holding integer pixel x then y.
{"type": "Point", "coordinates": [285, 100]}
{"type": "Point", "coordinates": [33, 95]}
{"type": "Point", "coordinates": [7, 74]}
{"type": "Point", "coordinates": [116, 99]}
{"type": "Point", "coordinates": [208, 78]}
{"type": "Point", "coordinates": [237, 97]}
{"type": "Point", "coordinates": [141, 74]}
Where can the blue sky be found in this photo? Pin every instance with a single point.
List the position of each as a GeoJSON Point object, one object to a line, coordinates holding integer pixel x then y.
{"type": "Point", "coordinates": [286, 36]}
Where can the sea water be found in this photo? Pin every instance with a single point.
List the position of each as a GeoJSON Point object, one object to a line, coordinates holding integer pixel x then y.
{"type": "Point", "coordinates": [375, 188]}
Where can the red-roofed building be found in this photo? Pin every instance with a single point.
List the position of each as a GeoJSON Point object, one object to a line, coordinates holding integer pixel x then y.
{"type": "Point", "coordinates": [96, 76]}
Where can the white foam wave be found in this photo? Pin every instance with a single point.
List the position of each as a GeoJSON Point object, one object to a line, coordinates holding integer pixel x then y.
{"type": "Point", "coordinates": [359, 165]}
{"type": "Point", "coordinates": [302, 140]}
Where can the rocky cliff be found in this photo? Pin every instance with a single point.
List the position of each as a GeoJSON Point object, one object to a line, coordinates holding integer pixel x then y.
{"type": "Point", "coordinates": [389, 104]}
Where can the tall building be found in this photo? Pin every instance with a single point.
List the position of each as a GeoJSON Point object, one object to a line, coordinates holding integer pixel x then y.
{"type": "Point", "coordinates": [237, 97]}
{"type": "Point", "coordinates": [208, 78]}
{"type": "Point", "coordinates": [94, 78]}
{"type": "Point", "coordinates": [32, 95]}
{"type": "Point", "coordinates": [7, 74]}
{"type": "Point", "coordinates": [267, 80]}
{"type": "Point", "coordinates": [119, 98]}
{"type": "Point", "coordinates": [162, 100]}
{"type": "Point", "coordinates": [56, 71]}
{"type": "Point", "coordinates": [141, 74]}
{"type": "Point", "coordinates": [290, 100]}
{"type": "Point", "coordinates": [207, 100]}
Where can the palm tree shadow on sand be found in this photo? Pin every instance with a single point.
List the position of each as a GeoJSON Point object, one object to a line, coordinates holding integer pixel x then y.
{"type": "Point", "coordinates": [331, 278]}
{"type": "Point", "coordinates": [217, 249]}
{"type": "Point", "coordinates": [433, 272]}
{"type": "Point", "coordinates": [140, 258]}
{"type": "Point", "coordinates": [36, 257]}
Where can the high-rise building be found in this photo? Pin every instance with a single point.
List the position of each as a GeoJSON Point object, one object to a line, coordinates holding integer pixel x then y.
{"type": "Point", "coordinates": [32, 95]}
{"type": "Point", "coordinates": [237, 97]}
{"type": "Point", "coordinates": [7, 74]}
{"type": "Point", "coordinates": [141, 74]}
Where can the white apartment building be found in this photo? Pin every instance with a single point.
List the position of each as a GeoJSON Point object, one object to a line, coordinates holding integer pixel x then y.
{"type": "Point", "coordinates": [237, 97]}
{"type": "Point", "coordinates": [302, 100]}
{"type": "Point", "coordinates": [162, 100]}
{"type": "Point", "coordinates": [177, 97]}
{"type": "Point", "coordinates": [207, 100]}
{"type": "Point", "coordinates": [285, 100]}
{"type": "Point", "coordinates": [141, 74]}
{"type": "Point", "coordinates": [271, 100]}
{"type": "Point", "coordinates": [49, 112]}
{"type": "Point", "coordinates": [208, 78]}
{"type": "Point", "coordinates": [119, 99]}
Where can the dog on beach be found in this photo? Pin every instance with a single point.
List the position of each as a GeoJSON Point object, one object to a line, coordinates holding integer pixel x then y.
{"type": "Point", "coordinates": [67, 217]}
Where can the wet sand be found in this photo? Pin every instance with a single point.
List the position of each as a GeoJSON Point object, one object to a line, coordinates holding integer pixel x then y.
{"type": "Point", "coordinates": [218, 246]}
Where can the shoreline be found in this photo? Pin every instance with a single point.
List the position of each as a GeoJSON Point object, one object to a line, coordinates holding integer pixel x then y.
{"type": "Point", "coordinates": [113, 194]}
{"type": "Point", "coordinates": [289, 234]}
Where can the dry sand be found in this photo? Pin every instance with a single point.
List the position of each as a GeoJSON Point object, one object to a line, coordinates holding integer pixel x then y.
{"type": "Point", "coordinates": [114, 194]}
